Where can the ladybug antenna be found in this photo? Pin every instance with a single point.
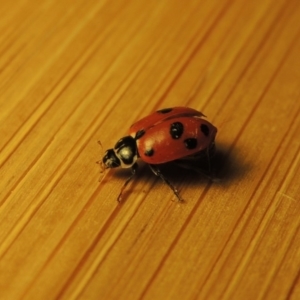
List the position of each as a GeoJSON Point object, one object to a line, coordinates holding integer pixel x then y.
{"type": "Point", "coordinates": [100, 162]}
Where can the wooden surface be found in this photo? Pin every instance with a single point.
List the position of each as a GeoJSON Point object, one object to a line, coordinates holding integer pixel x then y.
{"type": "Point", "coordinates": [74, 72]}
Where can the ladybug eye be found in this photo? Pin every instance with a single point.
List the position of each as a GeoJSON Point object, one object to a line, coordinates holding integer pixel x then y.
{"type": "Point", "coordinates": [176, 130]}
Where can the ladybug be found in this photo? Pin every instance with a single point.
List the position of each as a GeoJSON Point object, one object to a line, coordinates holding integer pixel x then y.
{"type": "Point", "coordinates": [178, 134]}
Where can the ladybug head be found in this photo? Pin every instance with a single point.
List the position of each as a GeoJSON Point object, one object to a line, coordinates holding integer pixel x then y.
{"type": "Point", "coordinates": [124, 154]}
{"type": "Point", "coordinates": [110, 160]}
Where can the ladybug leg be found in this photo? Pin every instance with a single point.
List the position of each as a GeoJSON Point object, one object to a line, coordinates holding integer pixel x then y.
{"type": "Point", "coordinates": [158, 173]}
{"type": "Point", "coordinates": [133, 172]}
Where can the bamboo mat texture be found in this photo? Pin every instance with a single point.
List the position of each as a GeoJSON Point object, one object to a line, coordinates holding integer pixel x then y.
{"type": "Point", "coordinates": [73, 73]}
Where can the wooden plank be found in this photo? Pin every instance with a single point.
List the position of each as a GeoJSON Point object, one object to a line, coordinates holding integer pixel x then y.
{"type": "Point", "coordinates": [76, 72]}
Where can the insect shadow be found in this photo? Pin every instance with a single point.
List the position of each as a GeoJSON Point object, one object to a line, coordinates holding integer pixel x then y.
{"type": "Point", "coordinates": [224, 168]}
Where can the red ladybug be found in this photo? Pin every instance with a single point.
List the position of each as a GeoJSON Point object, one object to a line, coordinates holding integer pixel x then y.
{"type": "Point", "coordinates": [176, 134]}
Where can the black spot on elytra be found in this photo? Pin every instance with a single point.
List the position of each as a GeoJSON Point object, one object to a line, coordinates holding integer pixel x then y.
{"type": "Point", "coordinates": [149, 152]}
{"type": "Point", "coordinates": [165, 110]}
{"type": "Point", "coordinates": [190, 143]}
{"type": "Point", "coordinates": [205, 130]}
{"type": "Point", "coordinates": [176, 130]}
{"type": "Point", "coordinates": [139, 134]}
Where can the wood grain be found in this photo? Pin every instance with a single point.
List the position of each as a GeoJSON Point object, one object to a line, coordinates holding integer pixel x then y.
{"type": "Point", "coordinates": [74, 72]}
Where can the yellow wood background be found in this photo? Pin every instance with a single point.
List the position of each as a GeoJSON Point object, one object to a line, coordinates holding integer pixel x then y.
{"type": "Point", "coordinates": [74, 72]}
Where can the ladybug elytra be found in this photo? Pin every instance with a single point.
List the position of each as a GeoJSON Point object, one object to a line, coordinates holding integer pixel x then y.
{"type": "Point", "coordinates": [167, 135]}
